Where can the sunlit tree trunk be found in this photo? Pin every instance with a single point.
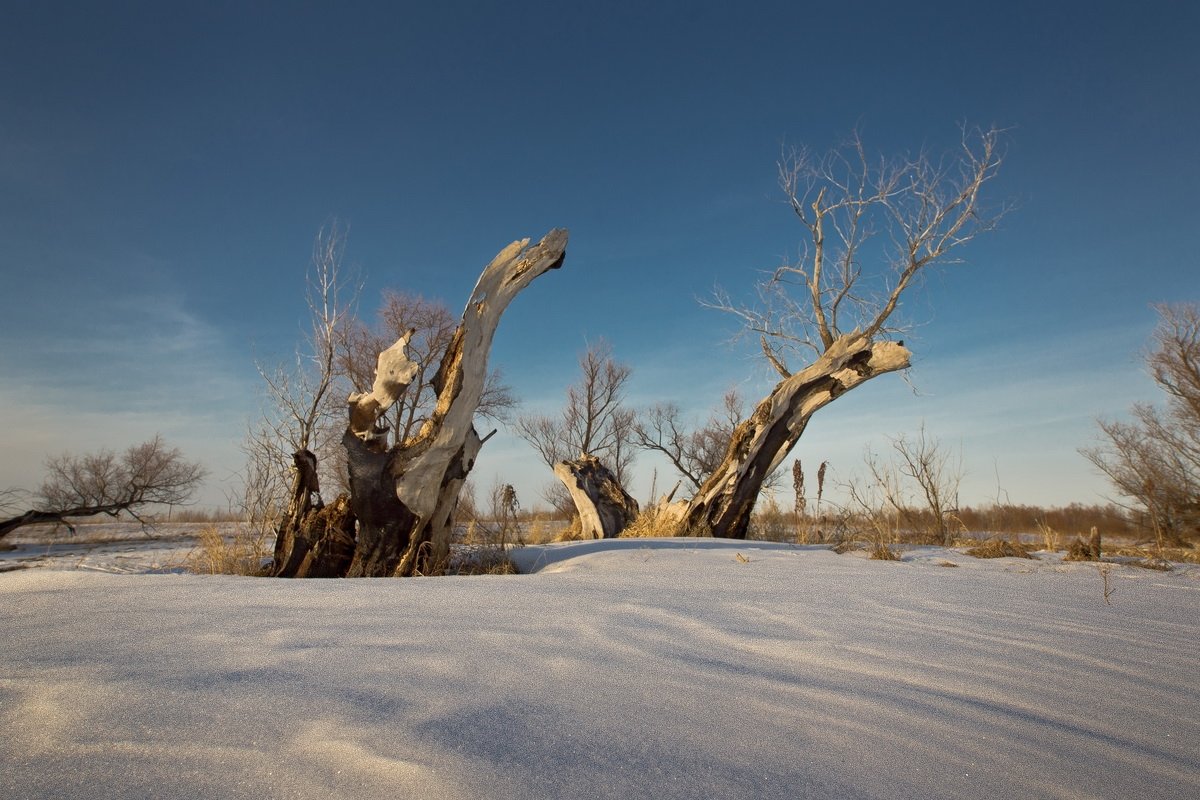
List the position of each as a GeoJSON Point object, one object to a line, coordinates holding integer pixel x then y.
{"type": "Point", "coordinates": [723, 504]}
{"type": "Point", "coordinates": [604, 507]}
{"type": "Point", "coordinates": [404, 496]}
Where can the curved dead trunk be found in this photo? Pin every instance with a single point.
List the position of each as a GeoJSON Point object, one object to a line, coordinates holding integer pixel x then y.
{"type": "Point", "coordinates": [723, 504]}
{"type": "Point", "coordinates": [405, 497]}
{"type": "Point", "coordinates": [604, 507]}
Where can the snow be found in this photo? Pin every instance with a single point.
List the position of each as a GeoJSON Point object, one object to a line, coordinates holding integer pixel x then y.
{"type": "Point", "coordinates": [628, 668]}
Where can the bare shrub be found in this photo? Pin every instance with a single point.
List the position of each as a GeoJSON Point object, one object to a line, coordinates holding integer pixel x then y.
{"type": "Point", "coordinates": [770, 523]}
{"type": "Point", "coordinates": [882, 552]}
{"type": "Point", "coordinates": [1085, 549]}
{"type": "Point", "coordinates": [937, 473]}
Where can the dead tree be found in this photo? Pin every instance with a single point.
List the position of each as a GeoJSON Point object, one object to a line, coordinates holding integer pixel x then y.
{"type": "Point", "coordinates": [826, 304]}
{"type": "Point", "coordinates": [433, 326]}
{"type": "Point", "coordinates": [589, 444]}
{"type": "Point", "coordinates": [404, 496]}
{"type": "Point", "coordinates": [723, 504]}
{"type": "Point", "coordinates": [605, 508]}
{"type": "Point", "coordinates": [314, 540]}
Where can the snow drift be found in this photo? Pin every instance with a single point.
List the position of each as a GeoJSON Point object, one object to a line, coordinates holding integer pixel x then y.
{"type": "Point", "coordinates": [631, 668]}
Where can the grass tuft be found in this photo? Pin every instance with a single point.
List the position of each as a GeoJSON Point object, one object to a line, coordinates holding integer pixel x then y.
{"type": "Point", "coordinates": [999, 548]}
{"type": "Point", "coordinates": [217, 554]}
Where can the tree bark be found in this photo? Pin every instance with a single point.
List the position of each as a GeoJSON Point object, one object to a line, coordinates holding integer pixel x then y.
{"type": "Point", "coordinates": [723, 504]}
{"type": "Point", "coordinates": [404, 497]}
{"type": "Point", "coordinates": [604, 507]}
{"type": "Point", "coordinates": [291, 545]}
{"type": "Point", "coordinates": [314, 540]}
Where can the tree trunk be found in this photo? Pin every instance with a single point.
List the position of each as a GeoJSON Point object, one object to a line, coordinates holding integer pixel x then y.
{"type": "Point", "coordinates": [31, 518]}
{"type": "Point", "coordinates": [291, 545]}
{"type": "Point", "coordinates": [723, 504]}
{"type": "Point", "coordinates": [405, 497]}
{"type": "Point", "coordinates": [64, 517]}
{"type": "Point", "coordinates": [604, 507]}
{"type": "Point", "coordinates": [314, 540]}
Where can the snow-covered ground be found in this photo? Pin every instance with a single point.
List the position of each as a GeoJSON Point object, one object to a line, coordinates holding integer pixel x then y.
{"type": "Point", "coordinates": [626, 669]}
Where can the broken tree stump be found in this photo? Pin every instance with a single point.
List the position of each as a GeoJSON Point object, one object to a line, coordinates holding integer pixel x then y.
{"type": "Point", "coordinates": [604, 507]}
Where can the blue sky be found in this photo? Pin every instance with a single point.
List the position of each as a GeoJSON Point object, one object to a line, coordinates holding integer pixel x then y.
{"type": "Point", "coordinates": [164, 168]}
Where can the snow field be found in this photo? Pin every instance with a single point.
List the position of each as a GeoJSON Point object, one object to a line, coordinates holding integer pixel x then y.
{"type": "Point", "coordinates": [634, 668]}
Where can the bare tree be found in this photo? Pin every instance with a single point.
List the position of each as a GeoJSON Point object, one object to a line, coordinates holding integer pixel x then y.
{"type": "Point", "coordinates": [104, 482]}
{"type": "Point", "coordinates": [301, 406]}
{"type": "Point", "coordinates": [936, 473]}
{"type": "Point", "coordinates": [589, 445]}
{"type": "Point", "coordinates": [1154, 459]}
{"type": "Point", "coordinates": [594, 421]}
{"type": "Point", "coordinates": [873, 227]}
{"type": "Point", "coordinates": [12, 498]}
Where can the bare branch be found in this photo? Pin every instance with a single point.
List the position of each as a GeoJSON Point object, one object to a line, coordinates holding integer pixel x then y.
{"type": "Point", "coordinates": [901, 216]}
{"type": "Point", "coordinates": [593, 422]}
{"type": "Point", "coordinates": [1154, 460]}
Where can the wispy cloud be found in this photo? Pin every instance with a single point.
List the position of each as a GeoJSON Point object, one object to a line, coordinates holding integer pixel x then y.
{"type": "Point", "coordinates": [136, 366]}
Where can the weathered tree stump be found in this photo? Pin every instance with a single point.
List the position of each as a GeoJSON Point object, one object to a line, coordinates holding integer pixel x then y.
{"type": "Point", "coordinates": [291, 544]}
{"type": "Point", "coordinates": [604, 507]}
{"type": "Point", "coordinates": [404, 497]}
{"type": "Point", "coordinates": [400, 513]}
{"type": "Point", "coordinates": [1088, 549]}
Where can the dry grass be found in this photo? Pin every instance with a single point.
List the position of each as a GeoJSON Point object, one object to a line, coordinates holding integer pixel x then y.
{"type": "Point", "coordinates": [200, 515]}
{"type": "Point", "coordinates": [1153, 557]}
{"type": "Point", "coordinates": [1050, 537]}
{"type": "Point", "coordinates": [770, 523]}
{"type": "Point", "coordinates": [649, 523]}
{"type": "Point", "coordinates": [999, 548]}
{"type": "Point", "coordinates": [480, 560]}
{"type": "Point", "coordinates": [572, 533]}
{"type": "Point", "coordinates": [882, 552]}
{"type": "Point", "coordinates": [541, 529]}
{"type": "Point", "coordinates": [218, 554]}
{"type": "Point", "coordinates": [1157, 564]}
